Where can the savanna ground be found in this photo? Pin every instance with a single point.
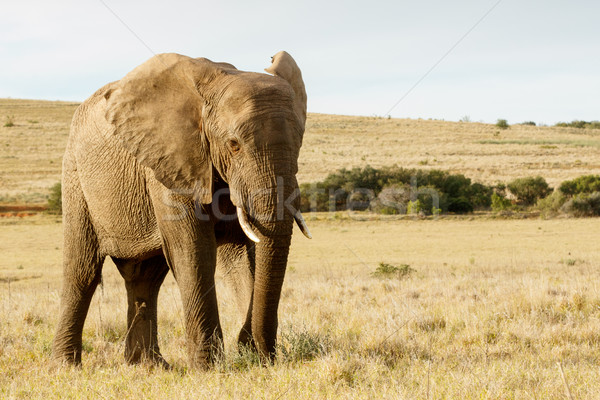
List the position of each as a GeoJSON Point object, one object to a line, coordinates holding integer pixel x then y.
{"type": "Point", "coordinates": [479, 308]}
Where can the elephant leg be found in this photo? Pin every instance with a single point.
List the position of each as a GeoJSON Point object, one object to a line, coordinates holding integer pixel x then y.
{"type": "Point", "coordinates": [82, 268]}
{"type": "Point", "coordinates": [195, 277]}
{"type": "Point", "coordinates": [235, 261]}
{"type": "Point", "coordinates": [189, 246]}
{"type": "Point", "coordinates": [142, 281]}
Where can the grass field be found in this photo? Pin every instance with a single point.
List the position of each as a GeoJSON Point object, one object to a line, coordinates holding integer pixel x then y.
{"type": "Point", "coordinates": [487, 310]}
{"type": "Point", "coordinates": [480, 308]}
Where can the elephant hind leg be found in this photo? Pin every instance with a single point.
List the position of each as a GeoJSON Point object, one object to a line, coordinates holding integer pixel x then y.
{"type": "Point", "coordinates": [142, 281]}
{"type": "Point", "coordinates": [82, 271]}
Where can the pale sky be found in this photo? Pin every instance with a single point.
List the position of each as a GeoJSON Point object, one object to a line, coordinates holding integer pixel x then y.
{"type": "Point", "coordinates": [524, 61]}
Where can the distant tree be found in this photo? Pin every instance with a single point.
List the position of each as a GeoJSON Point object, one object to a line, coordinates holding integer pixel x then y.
{"type": "Point", "coordinates": [502, 124]}
{"type": "Point", "coordinates": [579, 124]}
{"type": "Point", "coordinates": [529, 190]}
{"type": "Point", "coordinates": [583, 184]}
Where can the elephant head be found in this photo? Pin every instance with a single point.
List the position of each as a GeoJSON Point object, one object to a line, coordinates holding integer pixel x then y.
{"type": "Point", "coordinates": [191, 119]}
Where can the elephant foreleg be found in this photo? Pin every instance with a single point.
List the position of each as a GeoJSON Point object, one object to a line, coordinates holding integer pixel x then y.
{"type": "Point", "coordinates": [235, 262]}
{"type": "Point", "coordinates": [142, 281]}
{"type": "Point", "coordinates": [198, 295]}
{"type": "Point", "coordinates": [189, 246]}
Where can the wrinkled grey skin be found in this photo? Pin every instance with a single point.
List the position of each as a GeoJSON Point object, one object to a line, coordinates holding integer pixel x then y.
{"type": "Point", "coordinates": [145, 178]}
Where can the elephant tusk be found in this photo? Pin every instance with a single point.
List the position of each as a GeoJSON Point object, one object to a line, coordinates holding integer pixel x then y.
{"type": "Point", "coordinates": [246, 225]}
{"type": "Point", "coordinates": [302, 224]}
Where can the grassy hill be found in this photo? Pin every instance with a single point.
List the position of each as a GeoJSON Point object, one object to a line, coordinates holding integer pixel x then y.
{"type": "Point", "coordinates": [31, 150]}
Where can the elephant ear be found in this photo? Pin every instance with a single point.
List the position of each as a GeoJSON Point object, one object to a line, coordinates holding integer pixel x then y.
{"type": "Point", "coordinates": [284, 66]}
{"type": "Point", "coordinates": [156, 112]}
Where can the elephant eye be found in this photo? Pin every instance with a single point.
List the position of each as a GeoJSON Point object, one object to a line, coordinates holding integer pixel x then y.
{"type": "Point", "coordinates": [234, 146]}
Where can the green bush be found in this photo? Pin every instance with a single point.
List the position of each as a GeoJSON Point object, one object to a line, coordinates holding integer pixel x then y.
{"type": "Point", "coordinates": [403, 199]}
{"type": "Point", "coordinates": [244, 359]}
{"type": "Point", "coordinates": [414, 207]}
{"type": "Point", "coordinates": [460, 205]}
{"type": "Point", "coordinates": [359, 200]}
{"type": "Point", "coordinates": [572, 124]}
{"type": "Point", "coordinates": [385, 270]}
{"type": "Point", "coordinates": [358, 187]}
{"type": "Point", "coordinates": [314, 197]}
{"type": "Point", "coordinates": [550, 205]}
{"type": "Point", "coordinates": [10, 121]}
{"type": "Point", "coordinates": [55, 199]}
{"type": "Point", "coordinates": [579, 197]}
{"type": "Point", "coordinates": [392, 200]}
{"type": "Point", "coordinates": [502, 124]}
{"type": "Point", "coordinates": [583, 205]}
{"type": "Point", "coordinates": [583, 184]}
{"type": "Point", "coordinates": [301, 346]}
{"type": "Point", "coordinates": [530, 123]}
{"type": "Point", "coordinates": [479, 195]}
{"type": "Point", "coordinates": [430, 199]}
{"type": "Point", "coordinates": [395, 190]}
{"type": "Point", "coordinates": [529, 190]}
{"type": "Point", "coordinates": [579, 124]}
{"type": "Point", "coordinates": [500, 189]}
{"type": "Point", "coordinates": [500, 203]}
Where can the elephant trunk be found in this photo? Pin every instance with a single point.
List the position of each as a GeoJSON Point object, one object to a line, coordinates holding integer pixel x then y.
{"type": "Point", "coordinates": [271, 260]}
{"type": "Point", "coordinates": [270, 263]}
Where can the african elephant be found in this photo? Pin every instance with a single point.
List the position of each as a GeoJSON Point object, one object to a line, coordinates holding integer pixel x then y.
{"type": "Point", "coordinates": [185, 165]}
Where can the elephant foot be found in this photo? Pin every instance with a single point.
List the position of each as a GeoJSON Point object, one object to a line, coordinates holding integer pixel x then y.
{"type": "Point", "coordinates": [162, 363]}
{"type": "Point", "coordinates": [154, 360]}
{"type": "Point", "coordinates": [211, 351]}
{"type": "Point", "coordinates": [66, 353]}
{"type": "Point", "coordinates": [146, 356]}
{"type": "Point", "coordinates": [245, 339]}
{"type": "Point", "coordinates": [62, 360]}
{"type": "Point", "coordinates": [141, 343]}
{"type": "Point", "coordinates": [204, 361]}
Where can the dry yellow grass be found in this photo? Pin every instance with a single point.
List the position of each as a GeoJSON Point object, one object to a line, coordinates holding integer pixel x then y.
{"type": "Point", "coordinates": [31, 150]}
{"type": "Point", "coordinates": [490, 309]}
